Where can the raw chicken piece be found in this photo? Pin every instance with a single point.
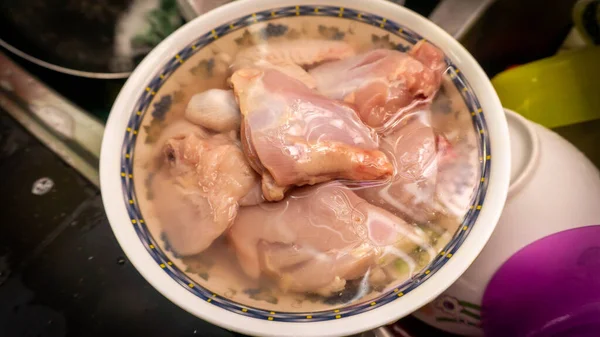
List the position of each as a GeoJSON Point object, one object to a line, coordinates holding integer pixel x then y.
{"type": "Point", "coordinates": [214, 109]}
{"type": "Point", "coordinates": [293, 136]}
{"type": "Point", "coordinates": [318, 237]}
{"type": "Point", "coordinates": [176, 129]}
{"type": "Point", "coordinates": [253, 197]}
{"type": "Point", "coordinates": [290, 57]}
{"type": "Point", "coordinates": [416, 152]}
{"type": "Point", "coordinates": [198, 188]}
{"type": "Point", "coordinates": [383, 84]}
{"type": "Point", "coordinates": [431, 56]}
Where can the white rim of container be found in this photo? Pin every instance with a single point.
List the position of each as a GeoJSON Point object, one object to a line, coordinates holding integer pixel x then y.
{"type": "Point", "coordinates": [114, 202]}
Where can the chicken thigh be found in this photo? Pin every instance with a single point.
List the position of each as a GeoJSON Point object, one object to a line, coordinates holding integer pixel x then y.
{"type": "Point", "coordinates": [318, 237]}
{"type": "Point", "coordinates": [382, 83]}
{"type": "Point", "coordinates": [294, 136]}
{"type": "Point", "coordinates": [198, 187]}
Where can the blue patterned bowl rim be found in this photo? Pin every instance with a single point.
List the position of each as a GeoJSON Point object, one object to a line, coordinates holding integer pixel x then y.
{"type": "Point", "coordinates": [152, 83]}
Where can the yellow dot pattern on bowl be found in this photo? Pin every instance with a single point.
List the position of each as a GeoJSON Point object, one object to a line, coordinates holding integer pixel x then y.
{"type": "Point", "coordinates": [475, 112]}
{"type": "Point", "coordinates": [214, 34]}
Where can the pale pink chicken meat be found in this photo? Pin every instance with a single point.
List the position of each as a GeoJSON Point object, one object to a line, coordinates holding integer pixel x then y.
{"type": "Point", "coordinates": [416, 152]}
{"type": "Point", "coordinates": [383, 84]}
{"type": "Point", "coordinates": [431, 56]}
{"type": "Point", "coordinates": [290, 57]}
{"type": "Point", "coordinates": [318, 238]}
{"type": "Point", "coordinates": [198, 187]}
{"type": "Point", "coordinates": [294, 136]}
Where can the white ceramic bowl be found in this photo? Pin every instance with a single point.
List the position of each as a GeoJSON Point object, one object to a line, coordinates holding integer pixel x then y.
{"type": "Point", "coordinates": [141, 103]}
{"type": "Point", "coordinates": [554, 187]}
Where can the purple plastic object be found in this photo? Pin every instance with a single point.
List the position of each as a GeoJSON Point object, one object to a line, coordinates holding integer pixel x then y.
{"type": "Point", "coordinates": [550, 288]}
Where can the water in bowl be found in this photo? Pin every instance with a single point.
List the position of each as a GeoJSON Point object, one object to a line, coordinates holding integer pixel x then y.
{"type": "Point", "coordinates": [308, 248]}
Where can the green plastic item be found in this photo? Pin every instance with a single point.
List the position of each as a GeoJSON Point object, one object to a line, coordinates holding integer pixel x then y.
{"type": "Point", "coordinates": [555, 91]}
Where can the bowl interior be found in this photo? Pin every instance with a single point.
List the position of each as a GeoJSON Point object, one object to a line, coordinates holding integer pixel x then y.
{"type": "Point", "coordinates": [213, 275]}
